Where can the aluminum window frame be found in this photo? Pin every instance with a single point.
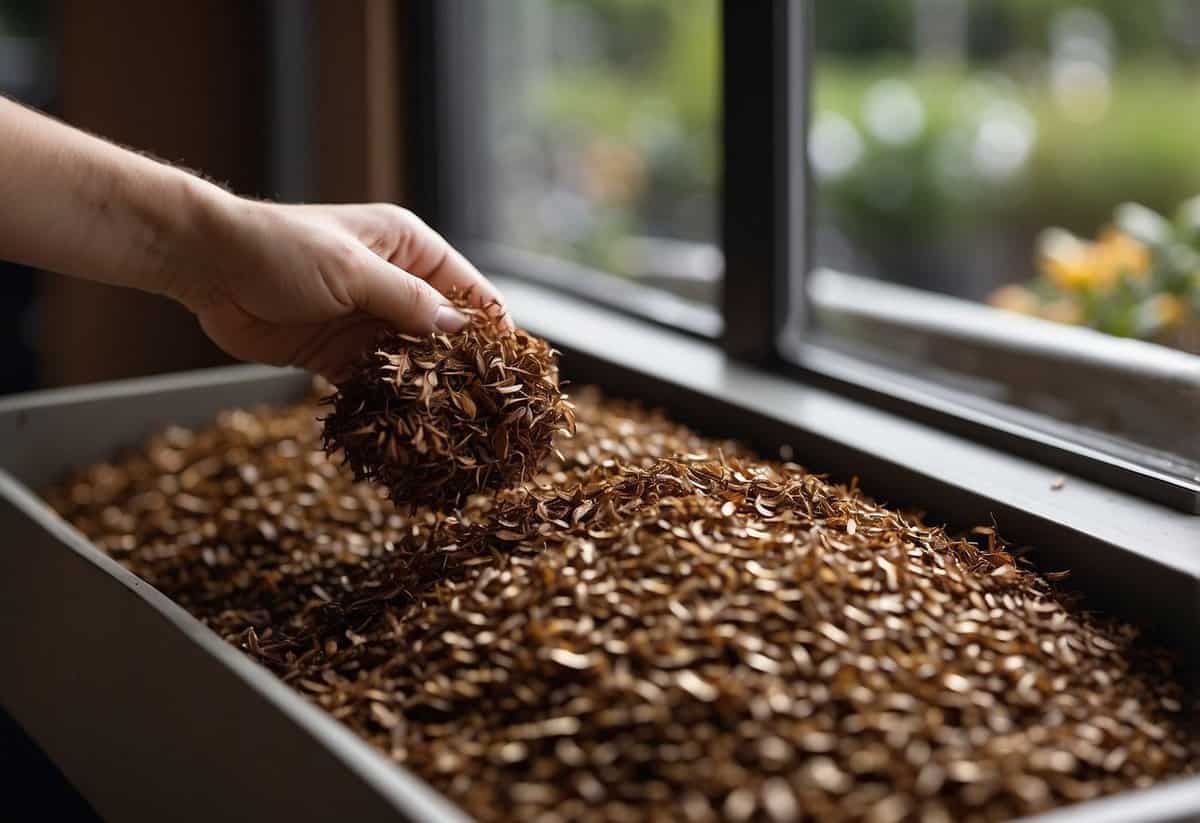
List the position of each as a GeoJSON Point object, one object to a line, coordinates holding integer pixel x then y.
{"type": "Point", "coordinates": [764, 317]}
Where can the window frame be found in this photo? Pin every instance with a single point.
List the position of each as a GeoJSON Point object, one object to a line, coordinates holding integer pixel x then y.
{"type": "Point", "coordinates": [764, 318]}
{"type": "Point", "coordinates": [442, 94]}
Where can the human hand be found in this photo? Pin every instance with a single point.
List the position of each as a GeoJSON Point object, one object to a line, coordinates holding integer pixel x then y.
{"type": "Point", "coordinates": [289, 285]}
{"type": "Point", "coordinates": [312, 286]}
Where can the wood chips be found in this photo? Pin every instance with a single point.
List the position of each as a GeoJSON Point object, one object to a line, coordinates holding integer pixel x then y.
{"type": "Point", "coordinates": [658, 626]}
{"type": "Point", "coordinates": [433, 419]}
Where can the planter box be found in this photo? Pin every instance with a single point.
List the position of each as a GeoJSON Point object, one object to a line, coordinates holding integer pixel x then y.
{"type": "Point", "coordinates": [150, 714]}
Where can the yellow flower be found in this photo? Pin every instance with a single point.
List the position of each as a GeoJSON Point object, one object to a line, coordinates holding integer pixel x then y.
{"type": "Point", "coordinates": [1166, 311]}
{"type": "Point", "coordinates": [1063, 310]}
{"type": "Point", "coordinates": [613, 172]}
{"type": "Point", "coordinates": [1077, 265]}
{"type": "Point", "coordinates": [1065, 259]}
{"type": "Point", "coordinates": [1069, 274]}
{"type": "Point", "coordinates": [1116, 254]}
{"type": "Point", "coordinates": [1015, 298]}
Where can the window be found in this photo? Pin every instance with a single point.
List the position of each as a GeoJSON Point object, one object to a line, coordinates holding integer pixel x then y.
{"type": "Point", "coordinates": [859, 195]}
{"type": "Point", "coordinates": [597, 150]}
{"type": "Point", "coordinates": [1037, 160]}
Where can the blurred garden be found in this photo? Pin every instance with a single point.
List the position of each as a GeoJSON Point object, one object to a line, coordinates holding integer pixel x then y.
{"type": "Point", "coordinates": [962, 147]}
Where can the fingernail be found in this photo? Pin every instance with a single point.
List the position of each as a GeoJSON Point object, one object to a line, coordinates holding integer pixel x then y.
{"type": "Point", "coordinates": [449, 319]}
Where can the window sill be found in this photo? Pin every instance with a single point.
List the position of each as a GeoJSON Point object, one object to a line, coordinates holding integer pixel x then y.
{"type": "Point", "coordinates": [1039, 389]}
{"type": "Point", "coordinates": [1111, 391]}
{"type": "Point", "coordinates": [658, 305]}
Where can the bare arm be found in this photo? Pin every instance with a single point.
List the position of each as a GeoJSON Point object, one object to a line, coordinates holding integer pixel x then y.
{"type": "Point", "coordinates": [77, 205]}
{"type": "Point", "coordinates": [303, 285]}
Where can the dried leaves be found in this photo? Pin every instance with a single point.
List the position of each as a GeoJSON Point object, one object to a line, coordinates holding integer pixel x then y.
{"type": "Point", "coordinates": [658, 626]}
{"type": "Point", "coordinates": [433, 419]}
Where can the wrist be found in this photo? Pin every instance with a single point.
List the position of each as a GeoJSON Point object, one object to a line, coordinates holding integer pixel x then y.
{"type": "Point", "coordinates": [188, 219]}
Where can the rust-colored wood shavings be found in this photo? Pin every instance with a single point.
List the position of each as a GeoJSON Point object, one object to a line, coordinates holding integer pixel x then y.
{"type": "Point", "coordinates": [433, 419]}
{"type": "Point", "coordinates": [655, 626]}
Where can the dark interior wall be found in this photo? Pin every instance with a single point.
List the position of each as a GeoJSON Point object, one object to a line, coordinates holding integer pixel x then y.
{"type": "Point", "coordinates": [357, 100]}
{"type": "Point", "coordinates": [27, 76]}
{"type": "Point", "coordinates": [185, 82]}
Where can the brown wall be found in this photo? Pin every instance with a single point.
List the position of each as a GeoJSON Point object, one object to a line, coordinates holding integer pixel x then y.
{"type": "Point", "coordinates": [357, 98]}
{"type": "Point", "coordinates": [187, 81]}
{"type": "Point", "coordinates": [183, 81]}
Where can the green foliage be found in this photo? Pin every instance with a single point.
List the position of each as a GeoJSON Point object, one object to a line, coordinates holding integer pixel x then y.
{"type": "Point", "coordinates": [1143, 149]}
{"type": "Point", "coordinates": [635, 112]}
{"type": "Point", "coordinates": [874, 29]}
{"type": "Point", "coordinates": [862, 26]}
{"type": "Point", "coordinates": [670, 76]}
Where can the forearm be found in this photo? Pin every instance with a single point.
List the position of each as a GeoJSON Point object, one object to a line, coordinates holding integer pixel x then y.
{"type": "Point", "coordinates": [75, 204]}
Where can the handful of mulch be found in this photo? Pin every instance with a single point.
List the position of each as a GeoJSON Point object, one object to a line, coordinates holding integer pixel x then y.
{"type": "Point", "coordinates": [435, 419]}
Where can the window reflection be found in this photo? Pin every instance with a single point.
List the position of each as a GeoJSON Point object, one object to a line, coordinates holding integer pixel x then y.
{"type": "Point", "coordinates": [603, 136]}
{"type": "Point", "coordinates": [1040, 157]}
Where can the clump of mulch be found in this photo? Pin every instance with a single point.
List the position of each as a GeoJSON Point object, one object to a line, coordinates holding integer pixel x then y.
{"type": "Point", "coordinates": [655, 626]}
{"type": "Point", "coordinates": [433, 419]}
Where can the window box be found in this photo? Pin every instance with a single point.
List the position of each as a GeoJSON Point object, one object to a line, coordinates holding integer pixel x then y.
{"type": "Point", "coordinates": [152, 715]}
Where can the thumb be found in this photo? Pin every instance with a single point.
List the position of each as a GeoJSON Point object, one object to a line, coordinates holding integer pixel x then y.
{"type": "Point", "coordinates": [403, 301]}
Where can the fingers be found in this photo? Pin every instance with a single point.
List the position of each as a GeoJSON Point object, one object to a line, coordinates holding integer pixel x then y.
{"type": "Point", "coordinates": [331, 352]}
{"type": "Point", "coordinates": [407, 303]}
{"type": "Point", "coordinates": [426, 254]}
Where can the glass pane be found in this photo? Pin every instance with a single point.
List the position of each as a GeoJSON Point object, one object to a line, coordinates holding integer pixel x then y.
{"type": "Point", "coordinates": [1024, 177]}
{"type": "Point", "coordinates": [602, 138]}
